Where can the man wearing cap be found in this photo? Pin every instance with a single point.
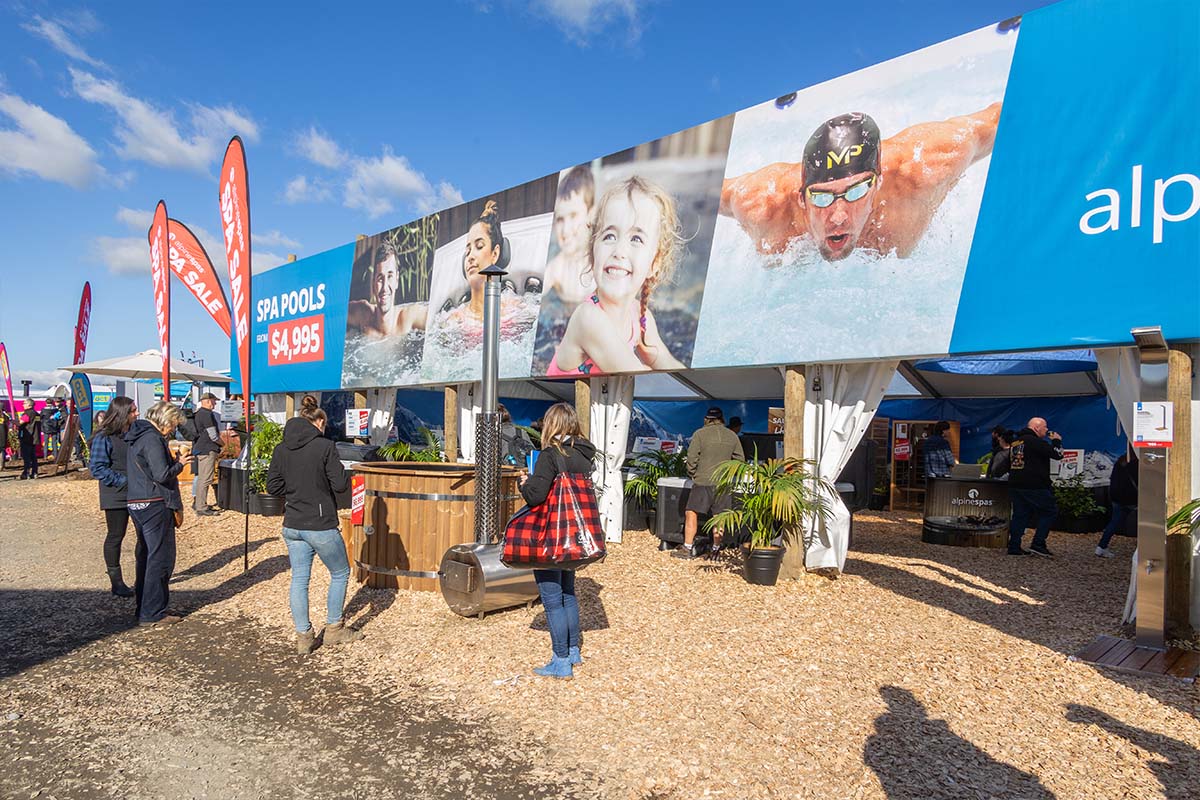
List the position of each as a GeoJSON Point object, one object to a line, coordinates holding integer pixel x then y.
{"type": "Point", "coordinates": [711, 445]}
{"type": "Point", "coordinates": [852, 190]}
{"type": "Point", "coordinates": [206, 449]}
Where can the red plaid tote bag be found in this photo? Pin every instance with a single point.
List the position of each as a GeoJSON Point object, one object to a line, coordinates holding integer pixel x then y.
{"type": "Point", "coordinates": [562, 533]}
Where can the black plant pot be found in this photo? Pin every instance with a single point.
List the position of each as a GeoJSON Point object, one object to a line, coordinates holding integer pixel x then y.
{"type": "Point", "coordinates": [761, 566]}
{"type": "Point", "coordinates": [878, 502]}
{"type": "Point", "coordinates": [266, 505]}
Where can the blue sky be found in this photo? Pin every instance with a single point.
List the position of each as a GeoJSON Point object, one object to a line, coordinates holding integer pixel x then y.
{"type": "Point", "coordinates": [355, 119]}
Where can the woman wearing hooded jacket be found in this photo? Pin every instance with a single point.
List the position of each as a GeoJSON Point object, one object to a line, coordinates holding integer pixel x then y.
{"type": "Point", "coordinates": [107, 465]}
{"type": "Point", "coordinates": [560, 433]}
{"type": "Point", "coordinates": [306, 470]}
{"type": "Point", "coordinates": [152, 494]}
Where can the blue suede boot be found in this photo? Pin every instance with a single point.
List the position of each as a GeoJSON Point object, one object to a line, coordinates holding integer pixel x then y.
{"type": "Point", "coordinates": [557, 668]}
{"type": "Point", "coordinates": [574, 657]}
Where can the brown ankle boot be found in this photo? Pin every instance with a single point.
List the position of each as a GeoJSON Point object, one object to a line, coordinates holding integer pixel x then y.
{"type": "Point", "coordinates": [338, 633]}
{"type": "Point", "coordinates": [305, 642]}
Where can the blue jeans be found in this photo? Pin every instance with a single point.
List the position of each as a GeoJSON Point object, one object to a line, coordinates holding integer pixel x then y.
{"type": "Point", "coordinates": [1120, 513]}
{"type": "Point", "coordinates": [154, 557]}
{"type": "Point", "coordinates": [302, 545]}
{"type": "Point", "coordinates": [557, 588]}
{"type": "Point", "coordinates": [1037, 504]}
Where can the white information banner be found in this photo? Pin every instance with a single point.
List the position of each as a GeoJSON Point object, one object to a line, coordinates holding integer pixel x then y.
{"type": "Point", "coordinates": [358, 422]}
{"type": "Point", "coordinates": [1153, 424]}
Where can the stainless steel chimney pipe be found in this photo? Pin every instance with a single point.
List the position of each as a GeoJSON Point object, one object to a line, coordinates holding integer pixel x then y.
{"type": "Point", "coordinates": [487, 427]}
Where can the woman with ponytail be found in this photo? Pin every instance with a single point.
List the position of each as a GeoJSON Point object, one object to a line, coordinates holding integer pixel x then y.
{"type": "Point", "coordinates": [107, 465]}
{"type": "Point", "coordinates": [306, 471]}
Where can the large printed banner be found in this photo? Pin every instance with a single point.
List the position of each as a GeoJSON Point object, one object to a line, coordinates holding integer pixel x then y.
{"type": "Point", "coordinates": [81, 395]}
{"type": "Point", "coordinates": [82, 322]}
{"type": "Point", "coordinates": [12, 400]}
{"type": "Point", "coordinates": [957, 199]}
{"type": "Point", "coordinates": [162, 289]}
{"type": "Point", "coordinates": [234, 200]}
{"type": "Point", "coordinates": [191, 264]}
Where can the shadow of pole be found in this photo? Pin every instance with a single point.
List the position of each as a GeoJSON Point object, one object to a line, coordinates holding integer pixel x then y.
{"type": "Point", "coordinates": [915, 756]}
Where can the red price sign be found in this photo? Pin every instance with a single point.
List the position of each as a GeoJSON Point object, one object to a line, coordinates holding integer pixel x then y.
{"type": "Point", "coordinates": [297, 340]}
{"type": "Point", "coordinates": [358, 498]}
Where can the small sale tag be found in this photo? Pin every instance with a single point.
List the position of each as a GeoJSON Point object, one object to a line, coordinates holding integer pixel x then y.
{"type": "Point", "coordinates": [358, 498]}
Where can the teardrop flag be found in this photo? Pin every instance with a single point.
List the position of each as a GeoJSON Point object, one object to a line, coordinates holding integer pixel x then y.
{"type": "Point", "coordinates": [81, 324]}
{"type": "Point", "coordinates": [162, 290]}
{"type": "Point", "coordinates": [12, 401]}
{"type": "Point", "coordinates": [235, 227]}
{"type": "Point", "coordinates": [190, 263]}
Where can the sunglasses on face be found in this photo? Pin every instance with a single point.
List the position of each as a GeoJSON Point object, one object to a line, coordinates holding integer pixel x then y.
{"type": "Point", "coordinates": [825, 199]}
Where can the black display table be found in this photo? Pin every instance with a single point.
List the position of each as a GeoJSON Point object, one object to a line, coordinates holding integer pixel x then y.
{"type": "Point", "coordinates": [966, 512]}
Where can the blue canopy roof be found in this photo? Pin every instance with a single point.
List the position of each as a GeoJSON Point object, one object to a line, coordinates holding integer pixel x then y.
{"type": "Point", "coordinates": [1035, 363]}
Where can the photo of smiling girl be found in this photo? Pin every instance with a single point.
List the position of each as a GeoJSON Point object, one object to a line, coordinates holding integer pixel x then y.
{"type": "Point", "coordinates": [634, 247]}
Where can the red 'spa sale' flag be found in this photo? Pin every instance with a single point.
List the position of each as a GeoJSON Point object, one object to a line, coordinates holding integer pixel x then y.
{"type": "Point", "coordinates": [190, 263]}
{"type": "Point", "coordinates": [235, 227]}
{"type": "Point", "coordinates": [12, 401]}
{"type": "Point", "coordinates": [162, 289]}
{"type": "Point", "coordinates": [81, 325]}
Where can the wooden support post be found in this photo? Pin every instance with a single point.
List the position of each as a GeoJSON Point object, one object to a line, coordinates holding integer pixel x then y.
{"type": "Point", "coordinates": [583, 405]}
{"type": "Point", "coordinates": [1179, 492]}
{"type": "Point", "coordinates": [450, 423]}
{"type": "Point", "coordinates": [795, 388]}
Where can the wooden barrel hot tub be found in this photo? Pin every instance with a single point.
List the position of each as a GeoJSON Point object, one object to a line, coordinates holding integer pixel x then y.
{"type": "Point", "coordinates": [413, 513]}
{"type": "Point", "coordinates": [966, 512]}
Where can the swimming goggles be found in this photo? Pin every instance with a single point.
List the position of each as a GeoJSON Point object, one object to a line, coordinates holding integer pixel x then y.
{"type": "Point", "coordinates": [856, 192]}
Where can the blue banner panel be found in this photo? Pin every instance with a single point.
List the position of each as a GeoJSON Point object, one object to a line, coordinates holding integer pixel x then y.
{"type": "Point", "coordinates": [1089, 224]}
{"type": "Point", "coordinates": [299, 323]}
{"type": "Point", "coordinates": [81, 393]}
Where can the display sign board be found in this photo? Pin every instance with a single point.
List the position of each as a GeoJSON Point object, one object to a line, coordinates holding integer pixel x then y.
{"type": "Point", "coordinates": [1070, 465]}
{"type": "Point", "coordinates": [647, 444]}
{"type": "Point", "coordinates": [358, 422]}
{"type": "Point", "coordinates": [775, 418]}
{"type": "Point", "coordinates": [902, 450]}
{"type": "Point", "coordinates": [358, 498]}
{"type": "Point", "coordinates": [231, 410]}
{"type": "Point", "coordinates": [1153, 424]}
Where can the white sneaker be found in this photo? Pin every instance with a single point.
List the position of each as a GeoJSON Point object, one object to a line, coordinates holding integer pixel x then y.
{"type": "Point", "coordinates": [1104, 552]}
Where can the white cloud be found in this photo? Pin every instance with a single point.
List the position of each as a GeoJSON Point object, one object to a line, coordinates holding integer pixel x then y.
{"type": "Point", "coordinates": [581, 18]}
{"type": "Point", "coordinates": [376, 184]}
{"type": "Point", "coordinates": [261, 261]}
{"type": "Point", "coordinates": [137, 218]}
{"type": "Point", "coordinates": [301, 190]}
{"type": "Point", "coordinates": [320, 149]}
{"type": "Point", "coordinates": [42, 378]}
{"type": "Point", "coordinates": [55, 32]}
{"type": "Point", "coordinates": [122, 254]}
{"type": "Point", "coordinates": [150, 134]}
{"type": "Point", "coordinates": [45, 145]}
{"type": "Point", "coordinates": [274, 239]}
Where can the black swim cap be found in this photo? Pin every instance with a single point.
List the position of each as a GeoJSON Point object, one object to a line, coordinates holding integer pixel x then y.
{"type": "Point", "coordinates": [841, 147]}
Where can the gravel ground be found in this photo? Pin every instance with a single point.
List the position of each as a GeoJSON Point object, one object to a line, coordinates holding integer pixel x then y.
{"type": "Point", "coordinates": [923, 672]}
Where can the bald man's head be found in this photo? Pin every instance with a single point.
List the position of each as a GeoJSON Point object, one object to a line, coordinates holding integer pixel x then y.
{"type": "Point", "coordinates": [1037, 425]}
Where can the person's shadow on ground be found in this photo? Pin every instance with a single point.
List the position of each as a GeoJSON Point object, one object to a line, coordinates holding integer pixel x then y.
{"type": "Point", "coordinates": [915, 756]}
{"type": "Point", "coordinates": [372, 602]}
{"type": "Point", "coordinates": [1172, 770]}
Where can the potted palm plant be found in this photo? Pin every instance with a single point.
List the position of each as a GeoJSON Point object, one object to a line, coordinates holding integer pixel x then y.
{"type": "Point", "coordinates": [774, 498]}
{"type": "Point", "coordinates": [641, 486]}
{"type": "Point", "coordinates": [403, 451]}
{"type": "Point", "coordinates": [267, 435]}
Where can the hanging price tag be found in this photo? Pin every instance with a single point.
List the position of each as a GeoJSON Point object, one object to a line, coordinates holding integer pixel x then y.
{"type": "Point", "coordinates": [358, 498]}
{"type": "Point", "coordinates": [296, 341]}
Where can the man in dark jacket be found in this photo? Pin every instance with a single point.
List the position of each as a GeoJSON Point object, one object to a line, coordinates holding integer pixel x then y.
{"type": "Point", "coordinates": [1123, 494]}
{"type": "Point", "coordinates": [29, 434]}
{"type": "Point", "coordinates": [1029, 482]}
{"type": "Point", "coordinates": [206, 449]}
{"type": "Point", "coordinates": [711, 446]}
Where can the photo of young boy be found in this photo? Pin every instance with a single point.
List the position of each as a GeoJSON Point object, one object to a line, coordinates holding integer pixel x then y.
{"type": "Point", "coordinates": [644, 260]}
{"type": "Point", "coordinates": [568, 279]}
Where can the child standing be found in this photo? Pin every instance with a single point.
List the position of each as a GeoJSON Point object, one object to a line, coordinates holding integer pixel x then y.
{"type": "Point", "coordinates": [634, 246]}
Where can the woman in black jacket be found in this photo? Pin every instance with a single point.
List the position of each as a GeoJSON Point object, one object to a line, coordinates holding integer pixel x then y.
{"type": "Point", "coordinates": [107, 465]}
{"type": "Point", "coordinates": [561, 437]}
{"type": "Point", "coordinates": [306, 470]}
{"type": "Point", "coordinates": [152, 495]}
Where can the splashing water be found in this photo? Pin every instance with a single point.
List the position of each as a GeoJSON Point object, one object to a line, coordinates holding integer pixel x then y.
{"type": "Point", "coordinates": [391, 361]}
{"type": "Point", "coordinates": [454, 346]}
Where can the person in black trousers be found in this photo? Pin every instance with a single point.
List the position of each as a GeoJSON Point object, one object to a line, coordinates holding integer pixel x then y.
{"type": "Point", "coordinates": [108, 459]}
{"type": "Point", "coordinates": [29, 434]}
{"type": "Point", "coordinates": [152, 495]}
{"type": "Point", "coordinates": [1030, 487]}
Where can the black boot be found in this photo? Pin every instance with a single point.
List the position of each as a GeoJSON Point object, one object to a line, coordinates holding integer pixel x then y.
{"type": "Point", "coordinates": [119, 589]}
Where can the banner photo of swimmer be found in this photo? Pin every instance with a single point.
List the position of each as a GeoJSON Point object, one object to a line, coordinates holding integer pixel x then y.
{"type": "Point", "coordinates": [626, 267]}
{"type": "Point", "coordinates": [389, 305]}
{"type": "Point", "coordinates": [298, 321]}
{"type": "Point", "coordinates": [511, 228]}
{"type": "Point", "coordinates": [848, 209]}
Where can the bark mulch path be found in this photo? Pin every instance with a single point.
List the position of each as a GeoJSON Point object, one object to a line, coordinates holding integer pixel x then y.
{"type": "Point", "coordinates": [923, 672]}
